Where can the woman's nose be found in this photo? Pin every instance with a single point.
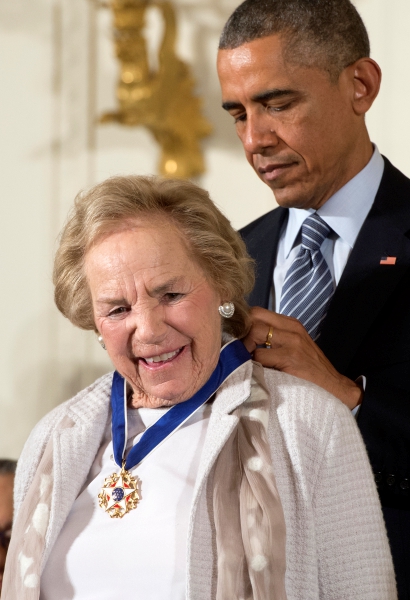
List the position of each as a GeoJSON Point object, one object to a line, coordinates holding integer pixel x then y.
{"type": "Point", "coordinates": [149, 325]}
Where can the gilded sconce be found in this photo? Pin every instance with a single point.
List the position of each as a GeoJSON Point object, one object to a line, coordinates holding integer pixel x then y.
{"type": "Point", "coordinates": [162, 101]}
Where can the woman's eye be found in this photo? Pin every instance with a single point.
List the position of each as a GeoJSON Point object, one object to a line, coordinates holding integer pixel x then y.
{"type": "Point", "coordinates": [172, 296]}
{"type": "Point", "coordinates": [118, 311]}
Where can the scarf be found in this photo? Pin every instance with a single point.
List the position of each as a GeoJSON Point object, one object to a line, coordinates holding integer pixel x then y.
{"type": "Point", "coordinates": [249, 519]}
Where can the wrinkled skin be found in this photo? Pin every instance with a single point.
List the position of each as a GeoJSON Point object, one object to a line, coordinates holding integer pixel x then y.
{"type": "Point", "coordinates": [150, 299]}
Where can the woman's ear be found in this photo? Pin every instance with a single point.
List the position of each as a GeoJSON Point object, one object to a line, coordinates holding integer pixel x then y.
{"type": "Point", "coordinates": [366, 77]}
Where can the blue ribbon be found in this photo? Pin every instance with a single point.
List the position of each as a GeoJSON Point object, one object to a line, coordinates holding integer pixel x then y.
{"type": "Point", "coordinates": [232, 356]}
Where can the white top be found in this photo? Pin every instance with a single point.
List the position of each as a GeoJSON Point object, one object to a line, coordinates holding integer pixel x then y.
{"type": "Point", "coordinates": [151, 540]}
{"type": "Point", "coordinates": [345, 212]}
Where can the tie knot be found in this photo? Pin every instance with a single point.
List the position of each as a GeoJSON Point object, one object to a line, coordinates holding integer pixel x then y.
{"type": "Point", "coordinates": [314, 232]}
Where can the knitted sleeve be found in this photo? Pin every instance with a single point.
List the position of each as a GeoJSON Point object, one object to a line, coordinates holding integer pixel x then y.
{"type": "Point", "coordinates": [353, 553]}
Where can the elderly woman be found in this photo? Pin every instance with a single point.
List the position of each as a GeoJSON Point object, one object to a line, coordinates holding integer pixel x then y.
{"type": "Point", "coordinates": [191, 472]}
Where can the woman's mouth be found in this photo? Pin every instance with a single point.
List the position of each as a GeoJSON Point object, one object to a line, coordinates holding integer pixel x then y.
{"type": "Point", "coordinates": [162, 358]}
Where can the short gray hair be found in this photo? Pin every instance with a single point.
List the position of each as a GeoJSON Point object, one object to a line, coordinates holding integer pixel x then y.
{"type": "Point", "coordinates": [328, 34]}
{"type": "Point", "coordinates": [214, 245]}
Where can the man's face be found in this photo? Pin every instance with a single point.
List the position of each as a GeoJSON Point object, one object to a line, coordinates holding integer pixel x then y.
{"type": "Point", "coordinates": [299, 130]}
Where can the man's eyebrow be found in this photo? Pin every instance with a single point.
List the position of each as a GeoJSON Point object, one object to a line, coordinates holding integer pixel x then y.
{"type": "Point", "coordinates": [231, 105]}
{"type": "Point", "coordinates": [273, 95]}
{"type": "Point", "coordinates": [262, 97]}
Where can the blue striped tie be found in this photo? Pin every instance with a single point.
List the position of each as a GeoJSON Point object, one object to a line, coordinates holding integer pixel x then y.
{"type": "Point", "coordinates": [308, 286]}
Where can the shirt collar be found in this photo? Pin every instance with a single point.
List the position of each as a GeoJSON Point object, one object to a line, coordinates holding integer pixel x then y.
{"type": "Point", "coordinates": [345, 211]}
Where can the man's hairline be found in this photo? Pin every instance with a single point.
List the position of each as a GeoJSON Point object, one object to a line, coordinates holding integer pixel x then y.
{"type": "Point", "coordinates": [333, 77]}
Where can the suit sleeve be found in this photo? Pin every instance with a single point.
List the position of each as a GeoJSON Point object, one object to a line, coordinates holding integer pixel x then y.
{"type": "Point", "coordinates": [384, 421]}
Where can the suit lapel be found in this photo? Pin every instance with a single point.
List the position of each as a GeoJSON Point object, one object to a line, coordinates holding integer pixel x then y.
{"type": "Point", "coordinates": [262, 238]}
{"type": "Point", "coordinates": [366, 285]}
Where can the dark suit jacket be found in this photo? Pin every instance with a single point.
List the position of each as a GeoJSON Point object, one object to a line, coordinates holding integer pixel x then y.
{"type": "Point", "coordinates": [367, 328]}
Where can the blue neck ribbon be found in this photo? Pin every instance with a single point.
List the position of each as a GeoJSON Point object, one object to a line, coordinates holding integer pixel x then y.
{"type": "Point", "coordinates": [232, 356]}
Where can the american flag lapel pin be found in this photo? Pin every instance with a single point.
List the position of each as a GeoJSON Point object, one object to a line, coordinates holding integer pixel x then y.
{"type": "Point", "coordinates": [388, 260]}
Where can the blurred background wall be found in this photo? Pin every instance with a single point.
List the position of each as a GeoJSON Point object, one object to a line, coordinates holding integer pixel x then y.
{"type": "Point", "coordinates": [58, 73]}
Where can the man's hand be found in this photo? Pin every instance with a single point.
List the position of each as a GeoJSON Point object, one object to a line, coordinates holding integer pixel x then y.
{"type": "Point", "coordinates": [293, 351]}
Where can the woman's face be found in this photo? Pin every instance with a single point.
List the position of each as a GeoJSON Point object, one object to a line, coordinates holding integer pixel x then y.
{"type": "Point", "coordinates": [156, 311]}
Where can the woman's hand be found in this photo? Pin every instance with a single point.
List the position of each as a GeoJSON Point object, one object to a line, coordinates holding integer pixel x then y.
{"type": "Point", "coordinates": [293, 351]}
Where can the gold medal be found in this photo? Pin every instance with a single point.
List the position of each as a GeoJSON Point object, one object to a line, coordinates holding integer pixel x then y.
{"type": "Point", "coordinates": [119, 494]}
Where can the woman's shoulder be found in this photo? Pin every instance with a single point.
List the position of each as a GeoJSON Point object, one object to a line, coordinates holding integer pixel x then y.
{"type": "Point", "coordinates": [312, 430]}
{"type": "Point", "coordinates": [290, 393]}
{"type": "Point", "coordinates": [81, 407]}
{"type": "Point", "coordinates": [306, 413]}
{"type": "Point", "coordinates": [319, 457]}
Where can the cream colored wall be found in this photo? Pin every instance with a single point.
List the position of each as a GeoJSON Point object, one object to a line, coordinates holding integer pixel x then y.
{"type": "Point", "coordinates": [50, 149]}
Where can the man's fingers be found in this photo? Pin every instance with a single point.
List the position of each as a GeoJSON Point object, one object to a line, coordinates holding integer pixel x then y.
{"type": "Point", "coordinates": [268, 357]}
{"type": "Point", "coordinates": [265, 322]}
{"type": "Point", "coordinates": [283, 357]}
{"type": "Point", "coordinates": [261, 334]}
{"type": "Point", "coordinates": [249, 344]}
{"type": "Point", "coordinates": [258, 335]}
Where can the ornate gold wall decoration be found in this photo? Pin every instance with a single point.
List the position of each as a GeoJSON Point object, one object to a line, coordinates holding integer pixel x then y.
{"type": "Point", "coordinates": [162, 101]}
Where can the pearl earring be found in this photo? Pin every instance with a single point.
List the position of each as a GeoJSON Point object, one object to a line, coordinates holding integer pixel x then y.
{"type": "Point", "coordinates": [101, 342]}
{"type": "Point", "coordinates": [227, 309]}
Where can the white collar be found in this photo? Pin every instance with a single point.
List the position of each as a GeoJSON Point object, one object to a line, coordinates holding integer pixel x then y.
{"type": "Point", "coordinates": [345, 211]}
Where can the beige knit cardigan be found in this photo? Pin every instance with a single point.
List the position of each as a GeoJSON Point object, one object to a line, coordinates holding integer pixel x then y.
{"type": "Point", "coordinates": [336, 544]}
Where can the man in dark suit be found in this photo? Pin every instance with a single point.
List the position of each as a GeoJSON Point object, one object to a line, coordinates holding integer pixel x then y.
{"type": "Point", "coordinates": [297, 78]}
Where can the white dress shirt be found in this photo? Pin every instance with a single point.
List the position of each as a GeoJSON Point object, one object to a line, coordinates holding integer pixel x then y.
{"type": "Point", "coordinates": [345, 212]}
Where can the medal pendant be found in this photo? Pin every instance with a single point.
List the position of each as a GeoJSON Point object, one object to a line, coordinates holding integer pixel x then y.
{"type": "Point", "coordinates": [119, 494]}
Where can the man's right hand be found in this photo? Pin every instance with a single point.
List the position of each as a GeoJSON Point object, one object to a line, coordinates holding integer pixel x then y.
{"type": "Point", "coordinates": [293, 351]}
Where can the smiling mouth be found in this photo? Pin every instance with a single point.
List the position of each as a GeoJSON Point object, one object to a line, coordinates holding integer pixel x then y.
{"type": "Point", "coordinates": [162, 358]}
